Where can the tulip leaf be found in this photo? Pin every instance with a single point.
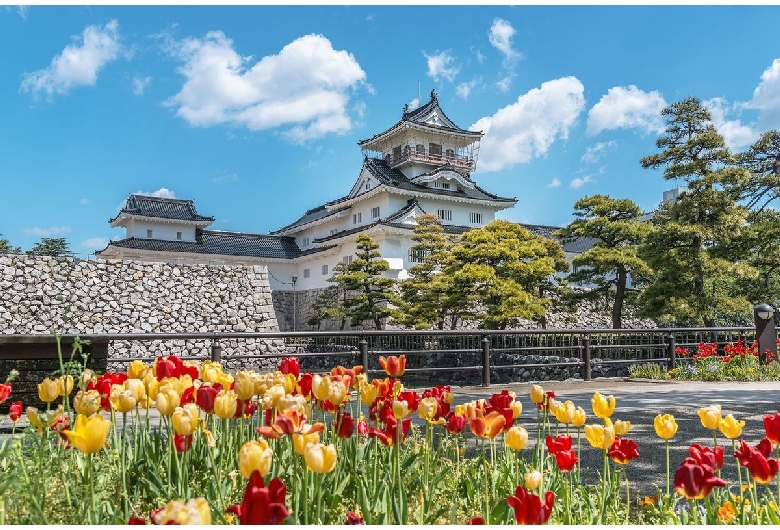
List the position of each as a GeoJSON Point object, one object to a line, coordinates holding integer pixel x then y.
{"type": "Point", "coordinates": [499, 512]}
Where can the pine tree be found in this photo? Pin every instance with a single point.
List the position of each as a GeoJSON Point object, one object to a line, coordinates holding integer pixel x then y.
{"type": "Point", "coordinates": [330, 303]}
{"type": "Point", "coordinates": [6, 248]}
{"type": "Point", "coordinates": [615, 227]}
{"type": "Point", "coordinates": [50, 246]}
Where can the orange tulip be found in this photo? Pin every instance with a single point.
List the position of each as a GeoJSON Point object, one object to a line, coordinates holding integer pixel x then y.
{"type": "Point", "coordinates": [488, 426]}
{"type": "Point", "coordinates": [394, 366]}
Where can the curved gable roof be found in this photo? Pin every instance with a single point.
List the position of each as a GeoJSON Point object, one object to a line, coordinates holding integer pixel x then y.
{"type": "Point", "coordinates": [163, 208]}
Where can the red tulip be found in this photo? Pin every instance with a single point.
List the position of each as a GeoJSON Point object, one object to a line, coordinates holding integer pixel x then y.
{"type": "Point", "coordinates": [190, 370]}
{"type": "Point", "coordinates": [15, 411]}
{"type": "Point", "coordinates": [412, 400]}
{"type": "Point", "coordinates": [205, 397]}
{"type": "Point", "coordinates": [388, 436]}
{"type": "Point", "coordinates": [695, 481]}
{"type": "Point", "coordinates": [566, 459]}
{"type": "Point", "coordinates": [353, 518]}
{"type": "Point", "coordinates": [188, 396]}
{"type": "Point", "coordinates": [261, 504]}
{"type": "Point", "coordinates": [502, 400]}
{"type": "Point", "coordinates": [344, 425]}
{"type": "Point", "coordinates": [772, 427]}
{"type": "Point", "coordinates": [362, 427]}
{"type": "Point", "coordinates": [305, 384]}
{"type": "Point", "coordinates": [529, 508]}
{"type": "Point", "coordinates": [707, 455]}
{"type": "Point", "coordinates": [290, 365]}
{"type": "Point", "coordinates": [561, 443]}
{"type": "Point", "coordinates": [455, 423]}
{"type": "Point", "coordinates": [756, 459]}
{"type": "Point", "coordinates": [5, 392]}
{"type": "Point", "coordinates": [394, 366]}
{"type": "Point", "coordinates": [135, 520]}
{"type": "Point", "coordinates": [245, 408]}
{"type": "Point", "coordinates": [181, 442]}
{"type": "Point", "coordinates": [167, 367]}
{"type": "Point", "coordinates": [476, 520]}
{"type": "Point", "coordinates": [624, 450]}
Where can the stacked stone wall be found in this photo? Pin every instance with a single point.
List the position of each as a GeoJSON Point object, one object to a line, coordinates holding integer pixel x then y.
{"type": "Point", "coordinates": [44, 295]}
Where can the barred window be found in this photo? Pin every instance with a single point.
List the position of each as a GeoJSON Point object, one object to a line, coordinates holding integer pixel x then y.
{"type": "Point", "coordinates": [375, 212]}
{"type": "Point", "coordinates": [306, 273]}
{"type": "Point", "coordinates": [445, 215]}
{"type": "Point", "coordinates": [324, 270]}
{"type": "Point", "coordinates": [416, 256]}
{"type": "Point", "coordinates": [475, 218]}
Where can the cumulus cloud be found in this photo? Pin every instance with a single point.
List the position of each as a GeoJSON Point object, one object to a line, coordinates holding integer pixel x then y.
{"type": "Point", "coordinates": [734, 132]}
{"type": "Point", "coordinates": [464, 89]}
{"type": "Point", "coordinates": [78, 64]}
{"type": "Point", "coordinates": [140, 84]}
{"type": "Point", "coordinates": [163, 193]}
{"type": "Point", "coordinates": [766, 98]}
{"type": "Point", "coordinates": [441, 65]}
{"type": "Point", "coordinates": [95, 243]}
{"type": "Point", "coordinates": [627, 107]}
{"type": "Point", "coordinates": [501, 33]}
{"type": "Point", "coordinates": [554, 183]}
{"type": "Point", "coordinates": [527, 128]}
{"type": "Point", "coordinates": [415, 103]}
{"type": "Point", "coordinates": [305, 87]}
{"type": "Point", "coordinates": [580, 182]}
{"type": "Point", "coordinates": [594, 153]}
{"type": "Point", "coordinates": [50, 231]}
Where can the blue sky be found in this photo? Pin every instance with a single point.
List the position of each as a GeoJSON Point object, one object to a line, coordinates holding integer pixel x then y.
{"type": "Point", "coordinates": [255, 112]}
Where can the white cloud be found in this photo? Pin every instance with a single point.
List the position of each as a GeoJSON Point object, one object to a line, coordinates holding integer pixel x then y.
{"type": "Point", "coordinates": [306, 86]}
{"type": "Point", "coordinates": [47, 232]}
{"type": "Point", "coordinates": [442, 65]}
{"type": "Point", "coordinates": [415, 103]}
{"type": "Point", "coordinates": [501, 33]}
{"type": "Point", "coordinates": [554, 183]}
{"type": "Point", "coordinates": [95, 243]}
{"type": "Point", "coordinates": [734, 132]}
{"type": "Point", "coordinates": [464, 89]}
{"type": "Point", "coordinates": [766, 98]}
{"type": "Point", "coordinates": [22, 11]}
{"type": "Point", "coordinates": [478, 54]}
{"type": "Point", "coordinates": [77, 65]}
{"type": "Point", "coordinates": [626, 107]}
{"type": "Point", "coordinates": [505, 83]}
{"type": "Point", "coordinates": [84, 202]}
{"type": "Point", "coordinates": [140, 84]}
{"type": "Point", "coordinates": [594, 153]}
{"type": "Point", "coordinates": [224, 178]}
{"type": "Point", "coordinates": [579, 182]}
{"type": "Point", "coordinates": [163, 193]}
{"type": "Point", "coordinates": [527, 128]}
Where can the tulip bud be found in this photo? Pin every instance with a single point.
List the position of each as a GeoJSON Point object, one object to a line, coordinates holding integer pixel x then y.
{"type": "Point", "coordinates": [64, 385]}
{"type": "Point", "coordinates": [517, 409]}
{"type": "Point", "coordinates": [320, 458]}
{"type": "Point", "coordinates": [516, 438]}
{"type": "Point", "coordinates": [533, 479]}
{"type": "Point", "coordinates": [368, 395]}
{"type": "Point", "coordinates": [87, 402]}
{"type": "Point", "coordinates": [428, 408]}
{"type": "Point", "coordinates": [337, 393]}
{"type": "Point", "coordinates": [730, 427]}
{"type": "Point", "coordinates": [167, 401]}
{"type": "Point", "coordinates": [48, 390]}
{"type": "Point", "coordinates": [537, 394]}
{"type": "Point", "coordinates": [137, 370]}
{"type": "Point", "coordinates": [665, 426]}
{"type": "Point", "coordinates": [621, 427]}
{"type": "Point", "coordinates": [185, 419]}
{"type": "Point", "coordinates": [320, 387]}
{"type": "Point", "coordinates": [710, 416]}
{"type": "Point", "coordinates": [136, 386]}
{"type": "Point", "coordinates": [400, 409]}
{"type": "Point", "coordinates": [225, 404]}
{"type": "Point", "coordinates": [122, 400]}
{"type": "Point", "coordinates": [245, 385]}
{"type": "Point", "coordinates": [603, 407]}
{"type": "Point", "coordinates": [255, 455]}
{"type": "Point", "coordinates": [579, 417]}
{"type": "Point", "coordinates": [398, 387]}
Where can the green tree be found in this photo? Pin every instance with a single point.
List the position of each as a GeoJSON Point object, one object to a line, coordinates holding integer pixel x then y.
{"type": "Point", "coordinates": [331, 302]}
{"type": "Point", "coordinates": [6, 248]}
{"type": "Point", "coordinates": [500, 271]}
{"type": "Point", "coordinates": [50, 246]}
{"type": "Point", "coordinates": [762, 160]}
{"type": "Point", "coordinates": [369, 293]}
{"type": "Point", "coordinates": [615, 227]}
{"type": "Point", "coordinates": [689, 250]}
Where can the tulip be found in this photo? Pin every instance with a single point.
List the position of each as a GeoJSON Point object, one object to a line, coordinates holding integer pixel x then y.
{"type": "Point", "coordinates": [428, 408]}
{"type": "Point", "coordinates": [400, 409]}
{"type": "Point", "coordinates": [579, 417]}
{"type": "Point", "coordinates": [561, 443]}
{"type": "Point", "coordinates": [337, 393]}
{"type": "Point", "coordinates": [368, 394]}
{"type": "Point", "coordinates": [707, 456]}
{"type": "Point", "coordinates": [5, 392]}
{"type": "Point", "coordinates": [756, 459]}
{"type": "Point", "coordinates": [261, 505]}
{"type": "Point", "coordinates": [537, 394]}
{"type": "Point", "coordinates": [487, 426]}
{"type": "Point", "coordinates": [185, 419]}
{"type": "Point", "coordinates": [665, 426]}
{"type": "Point", "coordinates": [354, 519]}
{"type": "Point", "coordinates": [455, 423]}
{"type": "Point", "coordinates": [533, 479]}
{"type": "Point", "coordinates": [137, 370]}
{"type": "Point", "coordinates": [516, 438]}
{"type": "Point", "coordinates": [48, 390]}
{"type": "Point", "coordinates": [320, 458]}
{"type": "Point", "coordinates": [86, 403]}
{"type": "Point", "coordinates": [308, 435]}
{"type": "Point", "coordinates": [695, 481]}
{"type": "Point", "coordinates": [529, 508]}
{"type": "Point", "coordinates": [137, 387]}
{"type": "Point", "coordinates": [64, 385]}
{"type": "Point", "coordinates": [710, 417]}
{"type": "Point", "coordinates": [623, 451]}
{"type": "Point", "coordinates": [182, 442]}
{"type": "Point", "coordinates": [517, 409]}
{"type": "Point", "coordinates": [772, 428]}
{"type": "Point", "coordinates": [599, 436]}
{"type": "Point", "coordinates": [344, 425]}
{"type": "Point", "coordinates": [566, 460]}
{"type": "Point", "coordinates": [320, 387]}
{"type": "Point", "coordinates": [15, 411]}
{"type": "Point", "coordinates": [88, 434]}
{"type": "Point", "coordinates": [730, 427]}
{"type": "Point", "coordinates": [225, 404]}
{"type": "Point", "coordinates": [274, 394]}
{"type": "Point", "coordinates": [210, 372]}
{"type": "Point", "coordinates": [362, 426]}
{"type": "Point", "coordinates": [167, 367]}
{"type": "Point", "coordinates": [621, 427]}
{"type": "Point", "coordinates": [603, 407]}
{"type": "Point", "coordinates": [393, 366]}
{"type": "Point", "coordinates": [245, 385]}
{"type": "Point", "coordinates": [122, 400]}
{"type": "Point", "coordinates": [255, 455]}
{"type": "Point", "coordinates": [205, 396]}
{"type": "Point", "coordinates": [194, 511]}
{"type": "Point", "coordinates": [290, 365]}
{"type": "Point", "coordinates": [167, 401]}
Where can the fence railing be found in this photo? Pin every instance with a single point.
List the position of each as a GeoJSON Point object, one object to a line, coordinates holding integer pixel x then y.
{"type": "Point", "coordinates": [479, 351]}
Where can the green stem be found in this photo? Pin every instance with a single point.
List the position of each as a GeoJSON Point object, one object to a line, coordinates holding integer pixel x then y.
{"type": "Point", "coordinates": [668, 487]}
{"type": "Point", "coordinates": [628, 495]}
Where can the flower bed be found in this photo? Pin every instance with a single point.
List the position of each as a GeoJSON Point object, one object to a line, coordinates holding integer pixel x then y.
{"type": "Point", "coordinates": [184, 442]}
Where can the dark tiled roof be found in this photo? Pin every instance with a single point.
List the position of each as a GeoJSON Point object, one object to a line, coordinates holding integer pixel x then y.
{"type": "Point", "coordinates": [182, 210]}
{"type": "Point", "coordinates": [394, 178]}
{"type": "Point", "coordinates": [225, 244]}
{"type": "Point", "coordinates": [578, 246]}
{"type": "Point", "coordinates": [314, 214]}
{"type": "Point", "coordinates": [411, 204]}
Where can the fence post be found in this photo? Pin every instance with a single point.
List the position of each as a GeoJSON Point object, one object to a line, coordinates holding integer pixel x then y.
{"type": "Point", "coordinates": [586, 366]}
{"type": "Point", "coordinates": [485, 361]}
{"type": "Point", "coordinates": [743, 336]}
{"type": "Point", "coordinates": [216, 350]}
{"type": "Point", "coordinates": [363, 345]}
{"type": "Point", "coordinates": [671, 352]}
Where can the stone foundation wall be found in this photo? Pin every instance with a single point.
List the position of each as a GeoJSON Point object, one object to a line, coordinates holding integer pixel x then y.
{"type": "Point", "coordinates": [44, 295]}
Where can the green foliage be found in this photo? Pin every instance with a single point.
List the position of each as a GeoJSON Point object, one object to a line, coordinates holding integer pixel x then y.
{"type": "Point", "coordinates": [331, 302]}
{"type": "Point", "coordinates": [615, 225]}
{"type": "Point", "coordinates": [7, 248]}
{"type": "Point", "coordinates": [50, 246]}
{"type": "Point", "coordinates": [691, 250]}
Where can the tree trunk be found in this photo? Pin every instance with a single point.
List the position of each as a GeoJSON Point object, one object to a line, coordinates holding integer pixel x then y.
{"type": "Point", "coordinates": [620, 296]}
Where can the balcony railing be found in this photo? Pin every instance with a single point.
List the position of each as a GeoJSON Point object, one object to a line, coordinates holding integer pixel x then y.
{"type": "Point", "coordinates": [465, 162]}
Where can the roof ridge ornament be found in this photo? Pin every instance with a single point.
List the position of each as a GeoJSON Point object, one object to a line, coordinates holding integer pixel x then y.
{"type": "Point", "coordinates": [433, 95]}
{"type": "Point", "coordinates": [406, 110]}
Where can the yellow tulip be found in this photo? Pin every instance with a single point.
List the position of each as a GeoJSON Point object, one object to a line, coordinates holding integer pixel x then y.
{"type": "Point", "coordinates": [537, 394]}
{"type": "Point", "coordinates": [86, 402]}
{"type": "Point", "coordinates": [194, 511]}
{"type": "Point", "coordinates": [48, 390]}
{"type": "Point", "coordinates": [225, 380]}
{"type": "Point", "coordinates": [137, 370]}
{"type": "Point", "coordinates": [517, 409]}
{"type": "Point", "coordinates": [516, 438]}
{"type": "Point", "coordinates": [245, 385]}
{"type": "Point", "coordinates": [710, 417]}
{"type": "Point", "coordinates": [579, 417]}
{"type": "Point", "coordinates": [563, 412]}
{"type": "Point", "coordinates": [304, 438]}
{"type": "Point", "coordinates": [730, 427]}
{"type": "Point", "coordinates": [122, 400]}
{"type": "Point", "coordinates": [621, 427]}
{"type": "Point", "coordinates": [297, 403]}
{"type": "Point", "coordinates": [400, 409]}
{"type": "Point", "coordinates": [210, 372]}
{"type": "Point", "coordinates": [137, 387]}
{"type": "Point", "coordinates": [398, 387]}
{"type": "Point", "coordinates": [167, 400]}
{"type": "Point", "coordinates": [225, 404]}
{"type": "Point", "coordinates": [428, 408]}
{"type": "Point", "coordinates": [337, 393]}
{"type": "Point", "coordinates": [533, 479]}
{"type": "Point", "coordinates": [64, 385]}
{"type": "Point", "coordinates": [599, 436]}
{"type": "Point", "coordinates": [88, 434]}
{"type": "Point", "coordinates": [185, 419]}
{"type": "Point", "coordinates": [34, 418]}
{"type": "Point", "coordinates": [255, 455]}
{"type": "Point", "coordinates": [368, 394]}
{"type": "Point", "coordinates": [603, 407]}
{"type": "Point", "coordinates": [274, 394]}
{"type": "Point", "coordinates": [320, 458]}
{"type": "Point", "coordinates": [289, 383]}
{"type": "Point", "coordinates": [320, 387]}
{"type": "Point", "coordinates": [665, 426]}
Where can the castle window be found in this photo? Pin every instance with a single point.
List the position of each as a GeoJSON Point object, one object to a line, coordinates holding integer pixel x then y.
{"type": "Point", "coordinates": [396, 153]}
{"type": "Point", "coordinates": [347, 259]}
{"type": "Point", "coordinates": [178, 236]}
{"type": "Point", "coordinates": [445, 215]}
{"type": "Point", "coordinates": [150, 234]}
{"type": "Point", "coordinates": [305, 241]}
{"type": "Point", "coordinates": [333, 231]}
{"type": "Point", "coordinates": [375, 212]}
{"type": "Point", "coordinates": [306, 273]}
{"type": "Point", "coordinates": [449, 153]}
{"type": "Point", "coordinates": [434, 149]}
{"type": "Point", "coordinates": [416, 256]}
{"type": "Point", "coordinates": [475, 218]}
{"type": "Point", "coordinates": [357, 218]}
{"type": "Point", "coordinates": [420, 149]}
{"type": "Point", "coordinates": [324, 270]}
